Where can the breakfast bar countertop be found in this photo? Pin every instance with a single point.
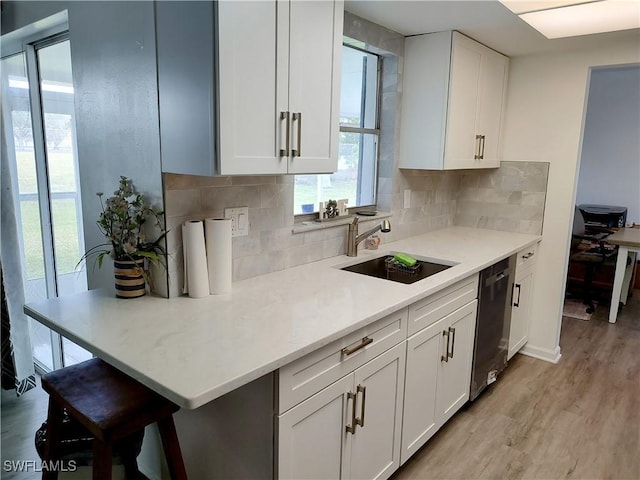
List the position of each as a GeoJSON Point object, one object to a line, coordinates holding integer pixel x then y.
{"type": "Point", "coordinates": [193, 351]}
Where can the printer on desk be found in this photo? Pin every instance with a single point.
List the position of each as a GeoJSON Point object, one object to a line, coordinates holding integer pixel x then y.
{"type": "Point", "coordinates": [603, 216]}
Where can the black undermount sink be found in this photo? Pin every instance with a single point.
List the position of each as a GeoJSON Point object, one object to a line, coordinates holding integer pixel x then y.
{"type": "Point", "coordinates": [384, 267]}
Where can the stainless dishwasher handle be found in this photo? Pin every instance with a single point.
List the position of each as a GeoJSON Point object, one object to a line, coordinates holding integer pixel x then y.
{"type": "Point", "coordinates": [496, 278]}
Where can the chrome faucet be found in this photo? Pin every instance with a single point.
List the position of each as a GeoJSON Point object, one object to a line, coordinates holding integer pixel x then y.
{"type": "Point", "coordinates": [353, 239]}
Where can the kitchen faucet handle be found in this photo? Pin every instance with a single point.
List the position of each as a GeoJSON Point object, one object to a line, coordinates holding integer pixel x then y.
{"type": "Point", "coordinates": [355, 220]}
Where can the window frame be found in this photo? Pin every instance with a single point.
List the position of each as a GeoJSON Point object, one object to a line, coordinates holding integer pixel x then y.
{"type": "Point", "coordinates": [28, 47]}
{"type": "Point", "coordinates": [350, 128]}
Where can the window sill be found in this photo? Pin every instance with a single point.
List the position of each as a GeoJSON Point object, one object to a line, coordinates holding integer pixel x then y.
{"type": "Point", "coordinates": [310, 226]}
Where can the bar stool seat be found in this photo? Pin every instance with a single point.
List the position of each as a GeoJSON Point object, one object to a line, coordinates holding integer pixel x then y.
{"type": "Point", "coordinates": [111, 406]}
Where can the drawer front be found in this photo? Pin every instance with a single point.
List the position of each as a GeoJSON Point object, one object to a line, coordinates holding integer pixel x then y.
{"type": "Point", "coordinates": [527, 256]}
{"type": "Point", "coordinates": [432, 308]}
{"type": "Point", "coordinates": [313, 372]}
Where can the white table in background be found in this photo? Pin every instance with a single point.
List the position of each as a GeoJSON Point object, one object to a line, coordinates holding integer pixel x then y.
{"type": "Point", "coordinates": [628, 241]}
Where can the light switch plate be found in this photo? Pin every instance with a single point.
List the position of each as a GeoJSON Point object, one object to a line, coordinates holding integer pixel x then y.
{"type": "Point", "coordinates": [239, 220]}
{"type": "Point", "coordinates": [407, 198]}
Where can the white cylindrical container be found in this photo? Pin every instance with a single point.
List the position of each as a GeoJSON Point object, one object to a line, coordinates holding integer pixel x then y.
{"type": "Point", "coordinates": [196, 277]}
{"type": "Point", "coordinates": [217, 232]}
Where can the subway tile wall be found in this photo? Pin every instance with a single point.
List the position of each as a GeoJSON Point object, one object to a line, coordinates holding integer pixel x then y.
{"type": "Point", "coordinates": [510, 198]}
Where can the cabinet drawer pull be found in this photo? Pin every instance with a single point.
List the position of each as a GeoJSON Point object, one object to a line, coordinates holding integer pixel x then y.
{"type": "Point", "coordinates": [352, 428]}
{"type": "Point", "coordinates": [363, 343]}
{"type": "Point", "coordinates": [284, 152]}
{"type": "Point", "coordinates": [453, 341]}
{"type": "Point", "coordinates": [445, 357]}
{"type": "Point", "coordinates": [363, 390]}
{"type": "Point", "coordinates": [528, 255]}
{"type": "Point", "coordinates": [296, 152]}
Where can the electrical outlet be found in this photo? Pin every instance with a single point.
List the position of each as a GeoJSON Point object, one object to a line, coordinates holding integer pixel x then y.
{"type": "Point", "coordinates": [239, 220]}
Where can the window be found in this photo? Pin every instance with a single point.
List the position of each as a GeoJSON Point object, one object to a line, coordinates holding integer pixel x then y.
{"type": "Point", "coordinates": [39, 119]}
{"type": "Point", "coordinates": [356, 176]}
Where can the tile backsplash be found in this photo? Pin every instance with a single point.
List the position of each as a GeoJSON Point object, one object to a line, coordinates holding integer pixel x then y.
{"type": "Point", "coordinates": [510, 198]}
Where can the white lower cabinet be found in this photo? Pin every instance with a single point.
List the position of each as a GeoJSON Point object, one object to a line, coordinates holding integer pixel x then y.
{"type": "Point", "coordinates": [438, 373]}
{"type": "Point", "coordinates": [360, 406]}
{"type": "Point", "coordinates": [350, 429]}
{"type": "Point", "coordinates": [521, 303]}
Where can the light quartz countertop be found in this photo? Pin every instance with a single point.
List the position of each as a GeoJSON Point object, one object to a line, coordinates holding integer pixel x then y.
{"type": "Point", "coordinates": [193, 351]}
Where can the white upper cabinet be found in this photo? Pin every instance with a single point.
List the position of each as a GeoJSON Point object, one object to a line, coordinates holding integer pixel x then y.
{"type": "Point", "coordinates": [453, 103]}
{"type": "Point", "coordinates": [278, 86]}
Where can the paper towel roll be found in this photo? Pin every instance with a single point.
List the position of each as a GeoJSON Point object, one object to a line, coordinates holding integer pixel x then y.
{"type": "Point", "coordinates": [195, 259]}
{"type": "Point", "coordinates": [217, 232]}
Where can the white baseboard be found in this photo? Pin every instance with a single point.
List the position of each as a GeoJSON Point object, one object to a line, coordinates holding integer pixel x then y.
{"type": "Point", "coordinates": [552, 356]}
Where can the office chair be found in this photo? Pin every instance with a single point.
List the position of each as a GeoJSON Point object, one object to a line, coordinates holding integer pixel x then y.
{"type": "Point", "coordinates": [592, 251]}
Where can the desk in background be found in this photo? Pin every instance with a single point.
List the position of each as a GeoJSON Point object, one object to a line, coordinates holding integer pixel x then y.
{"type": "Point", "coordinates": [628, 241]}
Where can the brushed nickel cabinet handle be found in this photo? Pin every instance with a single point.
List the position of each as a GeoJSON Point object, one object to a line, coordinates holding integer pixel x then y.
{"type": "Point", "coordinates": [528, 255]}
{"type": "Point", "coordinates": [453, 340]}
{"type": "Point", "coordinates": [363, 390]}
{"type": "Point", "coordinates": [284, 152]}
{"type": "Point", "coordinates": [445, 358]}
{"type": "Point", "coordinates": [296, 152]}
{"type": "Point", "coordinates": [352, 428]}
{"type": "Point", "coordinates": [363, 343]}
{"type": "Point", "coordinates": [476, 156]}
{"type": "Point", "coordinates": [482, 138]}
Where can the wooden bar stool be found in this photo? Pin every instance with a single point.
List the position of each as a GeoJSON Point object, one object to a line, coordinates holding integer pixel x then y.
{"type": "Point", "coordinates": [111, 406]}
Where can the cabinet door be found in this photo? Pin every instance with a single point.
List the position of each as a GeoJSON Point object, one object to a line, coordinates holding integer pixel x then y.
{"type": "Point", "coordinates": [520, 311]}
{"type": "Point", "coordinates": [252, 86]}
{"type": "Point", "coordinates": [375, 451]}
{"type": "Point", "coordinates": [493, 83]}
{"type": "Point", "coordinates": [315, 47]}
{"type": "Point", "coordinates": [312, 437]}
{"type": "Point", "coordinates": [423, 358]}
{"type": "Point", "coordinates": [464, 82]}
{"type": "Point", "coordinates": [454, 376]}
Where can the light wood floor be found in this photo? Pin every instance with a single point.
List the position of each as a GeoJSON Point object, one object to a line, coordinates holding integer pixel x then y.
{"type": "Point", "coordinates": [579, 419]}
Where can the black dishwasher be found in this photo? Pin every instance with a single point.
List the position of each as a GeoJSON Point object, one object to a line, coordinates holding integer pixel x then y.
{"type": "Point", "coordinates": [492, 324]}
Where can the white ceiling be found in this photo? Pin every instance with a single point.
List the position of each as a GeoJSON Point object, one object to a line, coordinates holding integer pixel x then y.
{"type": "Point", "coordinates": [488, 22]}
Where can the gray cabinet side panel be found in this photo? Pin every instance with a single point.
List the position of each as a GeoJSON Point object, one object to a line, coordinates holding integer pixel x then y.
{"type": "Point", "coordinates": [184, 36]}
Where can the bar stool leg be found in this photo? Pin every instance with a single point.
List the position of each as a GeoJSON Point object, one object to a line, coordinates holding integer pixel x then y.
{"type": "Point", "coordinates": [128, 454]}
{"type": "Point", "coordinates": [172, 448]}
{"type": "Point", "coordinates": [102, 460]}
{"type": "Point", "coordinates": [54, 424]}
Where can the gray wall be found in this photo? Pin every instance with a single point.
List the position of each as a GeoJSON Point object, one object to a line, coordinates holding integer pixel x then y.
{"type": "Point", "coordinates": [114, 69]}
{"type": "Point", "coordinates": [610, 163]}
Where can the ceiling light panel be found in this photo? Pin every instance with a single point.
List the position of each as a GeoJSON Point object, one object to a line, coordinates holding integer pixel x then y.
{"type": "Point", "coordinates": [524, 6]}
{"type": "Point", "coordinates": [586, 18]}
